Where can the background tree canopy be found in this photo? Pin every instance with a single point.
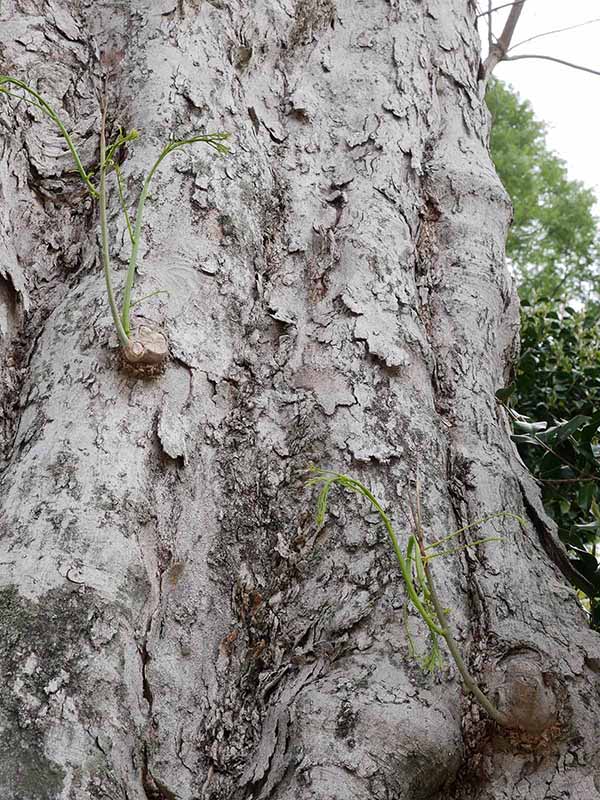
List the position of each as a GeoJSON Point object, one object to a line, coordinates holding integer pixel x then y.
{"type": "Point", "coordinates": [553, 243]}
{"type": "Point", "coordinates": [553, 246]}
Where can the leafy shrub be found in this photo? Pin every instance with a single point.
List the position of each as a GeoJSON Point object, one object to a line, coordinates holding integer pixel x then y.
{"type": "Point", "coordinates": [557, 394]}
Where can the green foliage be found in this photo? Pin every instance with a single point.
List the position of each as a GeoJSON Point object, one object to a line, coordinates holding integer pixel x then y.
{"type": "Point", "coordinates": [554, 247]}
{"type": "Point", "coordinates": [553, 244]}
{"type": "Point", "coordinates": [109, 163]}
{"type": "Point", "coordinates": [559, 367]}
{"type": "Point", "coordinates": [557, 394]}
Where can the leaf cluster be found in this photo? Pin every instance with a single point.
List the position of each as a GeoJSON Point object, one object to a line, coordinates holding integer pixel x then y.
{"type": "Point", "coordinates": [557, 429]}
{"type": "Point", "coordinates": [553, 244]}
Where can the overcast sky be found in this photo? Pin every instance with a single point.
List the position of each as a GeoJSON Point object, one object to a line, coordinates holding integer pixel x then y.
{"type": "Point", "coordinates": [567, 99]}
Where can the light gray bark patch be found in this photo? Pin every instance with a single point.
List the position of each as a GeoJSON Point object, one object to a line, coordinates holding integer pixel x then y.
{"type": "Point", "coordinates": [171, 432]}
{"type": "Point", "coordinates": [12, 275]}
{"type": "Point", "coordinates": [64, 22]}
{"type": "Point", "coordinates": [171, 427]}
{"type": "Point", "coordinates": [258, 767]}
{"type": "Point", "coordinates": [281, 759]}
{"type": "Point", "coordinates": [380, 335]}
{"type": "Point", "coordinates": [272, 759]}
{"type": "Point", "coordinates": [330, 389]}
{"type": "Point", "coordinates": [355, 733]}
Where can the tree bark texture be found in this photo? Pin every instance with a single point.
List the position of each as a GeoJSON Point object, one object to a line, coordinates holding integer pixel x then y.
{"type": "Point", "coordinates": [173, 626]}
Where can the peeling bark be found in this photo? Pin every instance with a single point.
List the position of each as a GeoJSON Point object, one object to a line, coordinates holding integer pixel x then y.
{"type": "Point", "coordinates": [172, 624]}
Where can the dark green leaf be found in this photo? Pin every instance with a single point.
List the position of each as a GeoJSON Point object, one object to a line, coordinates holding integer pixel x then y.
{"type": "Point", "coordinates": [559, 433]}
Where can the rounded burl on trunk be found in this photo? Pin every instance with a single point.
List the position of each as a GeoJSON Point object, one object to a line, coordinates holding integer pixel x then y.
{"type": "Point", "coordinates": [147, 352]}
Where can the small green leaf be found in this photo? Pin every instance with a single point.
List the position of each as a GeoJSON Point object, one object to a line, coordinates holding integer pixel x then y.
{"type": "Point", "coordinates": [530, 427]}
{"type": "Point", "coordinates": [588, 526]}
{"type": "Point", "coordinates": [525, 438]}
{"type": "Point", "coordinates": [585, 494]}
{"type": "Point", "coordinates": [559, 433]}
{"type": "Point", "coordinates": [564, 505]}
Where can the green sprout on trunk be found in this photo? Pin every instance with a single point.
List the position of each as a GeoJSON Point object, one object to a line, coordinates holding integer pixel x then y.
{"type": "Point", "coordinates": [416, 571]}
{"type": "Point", "coordinates": [144, 349]}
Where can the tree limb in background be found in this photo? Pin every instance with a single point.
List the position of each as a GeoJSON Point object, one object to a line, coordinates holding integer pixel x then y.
{"type": "Point", "coordinates": [499, 50]}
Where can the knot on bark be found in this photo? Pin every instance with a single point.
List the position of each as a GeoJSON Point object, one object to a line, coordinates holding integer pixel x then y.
{"type": "Point", "coordinates": [147, 351]}
{"type": "Point", "coordinates": [528, 692]}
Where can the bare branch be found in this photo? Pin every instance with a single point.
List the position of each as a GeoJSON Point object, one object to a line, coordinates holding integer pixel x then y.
{"type": "Point", "coordinates": [490, 33]}
{"type": "Point", "coordinates": [499, 50]}
{"type": "Point", "coordinates": [498, 8]}
{"type": "Point", "coordinates": [550, 33]}
{"type": "Point", "coordinates": [557, 60]}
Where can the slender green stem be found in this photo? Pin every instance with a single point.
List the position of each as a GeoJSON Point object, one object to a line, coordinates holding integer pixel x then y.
{"type": "Point", "coordinates": [122, 199]}
{"type": "Point", "coordinates": [454, 550]}
{"type": "Point", "coordinates": [50, 112]}
{"type": "Point", "coordinates": [469, 681]}
{"type": "Point", "coordinates": [420, 571]}
{"type": "Point", "coordinates": [412, 650]}
{"type": "Point", "coordinates": [213, 140]}
{"type": "Point", "coordinates": [23, 99]}
{"type": "Point", "coordinates": [148, 296]}
{"type": "Point", "coordinates": [108, 161]}
{"type": "Point", "coordinates": [135, 246]}
{"type": "Point", "coordinates": [475, 524]}
{"type": "Point", "coordinates": [415, 568]}
{"type": "Point", "coordinates": [406, 574]}
{"type": "Point", "coordinates": [121, 139]}
{"type": "Point", "coordinates": [123, 338]}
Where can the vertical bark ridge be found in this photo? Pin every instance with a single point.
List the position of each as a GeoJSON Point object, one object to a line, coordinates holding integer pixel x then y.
{"type": "Point", "coordinates": [473, 323]}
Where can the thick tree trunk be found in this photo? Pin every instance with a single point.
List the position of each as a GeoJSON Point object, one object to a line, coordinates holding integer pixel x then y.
{"type": "Point", "coordinates": [172, 624]}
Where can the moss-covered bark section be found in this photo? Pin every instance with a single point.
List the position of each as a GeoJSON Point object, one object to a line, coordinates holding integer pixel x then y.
{"type": "Point", "coordinates": [40, 667]}
{"type": "Point", "coordinates": [57, 739]}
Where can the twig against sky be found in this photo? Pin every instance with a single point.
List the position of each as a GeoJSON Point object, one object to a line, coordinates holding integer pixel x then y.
{"type": "Point", "coordinates": [499, 50]}
{"type": "Point", "coordinates": [499, 8]}
{"type": "Point", "coordinates": [552, 58]}
{"type": "Point", "coordinates": [550, 33]}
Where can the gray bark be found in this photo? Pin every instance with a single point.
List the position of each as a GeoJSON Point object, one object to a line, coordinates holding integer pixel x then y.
{"type": "Point", "coordinates": [172, 624]}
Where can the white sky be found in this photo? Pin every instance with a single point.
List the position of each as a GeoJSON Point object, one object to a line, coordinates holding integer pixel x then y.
{"type": "Point", "coordinates": [566, 99]}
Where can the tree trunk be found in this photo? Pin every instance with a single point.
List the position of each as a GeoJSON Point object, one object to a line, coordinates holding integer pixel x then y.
{"type": "Point", "coordinates": [173, 624]}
